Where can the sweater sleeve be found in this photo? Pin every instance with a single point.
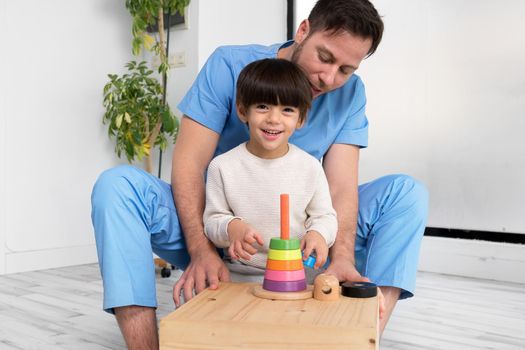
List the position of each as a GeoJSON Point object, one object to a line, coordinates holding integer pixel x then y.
{"type": "Point", "coordinates": [321, 214]}
{"type": "Point", "coordinates": [217, 214]}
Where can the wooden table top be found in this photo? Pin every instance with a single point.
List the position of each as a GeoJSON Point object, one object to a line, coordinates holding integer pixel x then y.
{"type": "Point", "coordinates": [231, 317]}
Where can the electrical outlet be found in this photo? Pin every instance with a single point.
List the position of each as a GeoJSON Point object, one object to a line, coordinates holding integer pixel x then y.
{"type": "Point", "coordinates": [177, 59]}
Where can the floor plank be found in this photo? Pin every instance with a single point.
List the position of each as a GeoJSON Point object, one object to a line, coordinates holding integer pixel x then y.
{"type": "Point", "coordinates": [61, 309]}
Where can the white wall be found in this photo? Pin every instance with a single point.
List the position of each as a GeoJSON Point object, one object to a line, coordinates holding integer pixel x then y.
{"type": "Point", "coordinates": [3, 33]}
{"type": "Point", "coordinates": [446, 95]}
{"type": "Point", "coordinates": [456, 118]}
{"type": "Point", "coordinates": [235, 22]}
{"type": "Point", "coordinates": [54, 61]}
{"type": "Point", "coordinates": [55, 57]}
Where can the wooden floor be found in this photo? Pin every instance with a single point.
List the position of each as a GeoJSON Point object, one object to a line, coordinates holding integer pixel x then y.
{"type": "Point", "coordinates": [61, 309]}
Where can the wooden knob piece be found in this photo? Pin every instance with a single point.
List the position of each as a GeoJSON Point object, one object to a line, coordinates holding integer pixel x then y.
{"type": "Point", "coordinates": [326, 288]}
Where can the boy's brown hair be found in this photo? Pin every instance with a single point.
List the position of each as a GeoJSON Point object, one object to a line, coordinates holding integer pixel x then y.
{"type": "Point", "coordinates": [274, 81]}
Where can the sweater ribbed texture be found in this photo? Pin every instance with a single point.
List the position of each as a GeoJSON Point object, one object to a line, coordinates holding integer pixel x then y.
{"type": "Point", "coordinates": [242, 185]}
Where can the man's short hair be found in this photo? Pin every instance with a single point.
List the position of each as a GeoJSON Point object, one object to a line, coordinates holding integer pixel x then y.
{"type": "Point", "coordinates": [358, 17]}
{"type": "Point", "coordinates": [274, 81]}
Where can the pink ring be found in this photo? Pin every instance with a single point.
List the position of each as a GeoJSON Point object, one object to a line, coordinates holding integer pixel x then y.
{"type": "Point", "coordinates": [276, 275]}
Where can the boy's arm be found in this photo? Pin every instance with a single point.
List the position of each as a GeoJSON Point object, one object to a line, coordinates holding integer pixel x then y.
{"type": "Point", "coordinates": [217, 213]}
{"type": "Point", "coordinates": [192, 153]}
{"type": "Point", "coordinates": [341, 168]}
{"type": "Point", "coordinates": [220, 225]}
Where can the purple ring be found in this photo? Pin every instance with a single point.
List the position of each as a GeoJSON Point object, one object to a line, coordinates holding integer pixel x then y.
{"type": "Point", "coordinates": [284, 286]}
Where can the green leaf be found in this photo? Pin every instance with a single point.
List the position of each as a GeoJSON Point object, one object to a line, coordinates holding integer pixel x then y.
{"type": "Point", "coordinates": [163, 68]}
{"type": "Point", "coordinates": [136, 97]}
{"type": "Point", "coordinates": [167, 121]}
{"type": "Point", "coordinates": [118, 121]}
{"type": "Point", "coordinates": [130, 151]}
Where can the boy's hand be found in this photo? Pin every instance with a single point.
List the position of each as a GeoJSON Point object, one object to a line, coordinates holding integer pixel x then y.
{"type": "Point", "coordinates": [242, 237]}
{"type": "Point", "coordinates": [314, 241]}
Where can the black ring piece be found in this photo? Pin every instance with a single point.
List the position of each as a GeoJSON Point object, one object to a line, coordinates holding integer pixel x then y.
{"type": "Point", "coordinates": [359, 289]}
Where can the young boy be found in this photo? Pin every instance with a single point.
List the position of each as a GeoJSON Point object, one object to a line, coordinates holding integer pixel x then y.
{"type": "Point", "coordinates": [244, 184]}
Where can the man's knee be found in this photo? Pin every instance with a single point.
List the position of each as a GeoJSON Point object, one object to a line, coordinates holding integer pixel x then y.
{"type": "Point", "coordinates": [415, 189]}
{"type": "Point", "coordinates": [112, 193]}
{"type": "Point", "coordinates": [112, 183]}
{"type": "Point", "coordinates": [416, 204]}
{"type": "Point", "coordinates": [411, 201]}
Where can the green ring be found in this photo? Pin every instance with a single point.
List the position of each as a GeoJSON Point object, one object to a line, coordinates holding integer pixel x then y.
{"type": "Point", "coordinates": [285, 244]}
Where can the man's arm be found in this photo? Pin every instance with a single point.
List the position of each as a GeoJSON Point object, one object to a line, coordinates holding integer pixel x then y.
{"type": "Point", "coordinates": [193, 151]}
{"type": "Point", "coordinates": [321, 214]}
{"type": "Point", "coordinates": [341, 167]}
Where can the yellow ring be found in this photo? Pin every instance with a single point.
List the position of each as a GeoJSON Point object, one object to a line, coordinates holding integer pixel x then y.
{"type": "Point", "coordinates": [294, 254]}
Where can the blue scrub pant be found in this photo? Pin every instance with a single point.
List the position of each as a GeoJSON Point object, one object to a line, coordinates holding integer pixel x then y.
{"type": "Point", "coordinates": [133, 214]}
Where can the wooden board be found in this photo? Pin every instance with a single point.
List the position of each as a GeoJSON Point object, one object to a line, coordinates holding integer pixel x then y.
{"type": "Point", "coordinates": [233, 318]}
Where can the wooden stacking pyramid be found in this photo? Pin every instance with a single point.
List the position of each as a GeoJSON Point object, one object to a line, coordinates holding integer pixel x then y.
{"type": "Point", "coordinates": [284, 267]}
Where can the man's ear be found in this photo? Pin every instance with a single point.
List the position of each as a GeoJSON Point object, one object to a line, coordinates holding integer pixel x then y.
{"type": "Point", "coordinates": [241, 113]}
{"type": "Point", "coordinates": [302, 31]}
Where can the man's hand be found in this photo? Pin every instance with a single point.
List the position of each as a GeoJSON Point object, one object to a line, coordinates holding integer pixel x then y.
{"type": "Point", "coordinates": [206, 269]}
{"type": "Point", "coordinates": [242, 237]}
{"type": "Point", "coordinates": [345, 271]}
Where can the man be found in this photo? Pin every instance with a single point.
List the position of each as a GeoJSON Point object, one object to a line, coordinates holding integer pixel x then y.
{"type": "Point", "coordinates": [378, 236]}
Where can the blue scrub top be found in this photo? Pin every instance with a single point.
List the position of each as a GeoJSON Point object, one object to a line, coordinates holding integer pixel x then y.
{"type": "Point", "coordinates": [335, 117]}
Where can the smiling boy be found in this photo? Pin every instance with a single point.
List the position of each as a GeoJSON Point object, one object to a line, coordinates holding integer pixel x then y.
{"type": "Point", "coordinates": [244, 184]}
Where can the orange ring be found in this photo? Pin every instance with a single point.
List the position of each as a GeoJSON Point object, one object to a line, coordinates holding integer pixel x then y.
{"type": "Point", "coordinates": [284, 265]}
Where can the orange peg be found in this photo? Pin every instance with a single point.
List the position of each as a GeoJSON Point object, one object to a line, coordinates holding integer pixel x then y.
{"type": "Point", "coordinates": [285, 216]}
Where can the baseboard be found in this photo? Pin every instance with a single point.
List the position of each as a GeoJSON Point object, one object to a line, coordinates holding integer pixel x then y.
{"type": "Point", "coordinates": [473, 258]}
{"type": "Point", "coordinates": [491, 236]}
{"type": "Point", "coordinates": [49, 258]}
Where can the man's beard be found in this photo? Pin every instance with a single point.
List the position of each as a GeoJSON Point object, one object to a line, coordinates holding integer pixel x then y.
{"type": "Point", "coordinates": [295, 59]}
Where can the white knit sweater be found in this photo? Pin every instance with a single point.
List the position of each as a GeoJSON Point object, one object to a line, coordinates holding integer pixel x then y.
{"type": "Point", "coordinates": [242, 185]}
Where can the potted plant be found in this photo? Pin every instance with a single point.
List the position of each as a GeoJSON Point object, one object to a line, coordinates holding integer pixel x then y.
{"type": "Point", "coordinates": [137, 115]}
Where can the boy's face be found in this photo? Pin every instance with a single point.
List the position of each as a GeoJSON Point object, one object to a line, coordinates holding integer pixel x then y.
{"type": "Point", "coordinates": [270, 128]}
{"type": "Point", "coordinates": [328, 59]}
